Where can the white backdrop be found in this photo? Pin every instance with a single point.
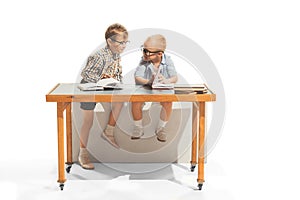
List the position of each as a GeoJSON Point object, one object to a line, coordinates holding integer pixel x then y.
{"type": "Point", "coordinates": [255, 46]}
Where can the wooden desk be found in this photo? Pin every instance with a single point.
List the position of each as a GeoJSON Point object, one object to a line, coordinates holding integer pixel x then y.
{"type": "Point", "coordinates": [65, 93]}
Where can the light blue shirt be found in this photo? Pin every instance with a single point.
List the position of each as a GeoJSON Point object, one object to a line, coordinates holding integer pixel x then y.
{"type": "Point", "coordinates": [146, 68]}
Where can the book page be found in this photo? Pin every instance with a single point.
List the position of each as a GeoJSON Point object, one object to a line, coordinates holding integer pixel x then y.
{"type": "Point", "coordinates": [158, 85]}
{"type": "Point", "coordinates": [89, 87]}
{"type": "Point", "coordinates": [162, 85]}
{"type": "Point", "coordinates": [107, 81]}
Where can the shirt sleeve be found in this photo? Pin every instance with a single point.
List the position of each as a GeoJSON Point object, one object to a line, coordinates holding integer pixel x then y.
{"type": "Point", "coordinates": [140, 71]}
{"type": "Point", "coordinates": [170, 68]}
{"type": "Point", "coordinates": [93, 69]}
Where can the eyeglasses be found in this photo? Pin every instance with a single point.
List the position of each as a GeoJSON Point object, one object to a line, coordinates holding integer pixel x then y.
{"type": "Point", "coordinates": [149, 53]}
{"type": "Point", "coordinates": [119, 42]}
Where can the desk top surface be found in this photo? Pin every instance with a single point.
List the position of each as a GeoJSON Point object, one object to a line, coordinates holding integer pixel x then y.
{"type": "Point", "coordinates": [69, 92]}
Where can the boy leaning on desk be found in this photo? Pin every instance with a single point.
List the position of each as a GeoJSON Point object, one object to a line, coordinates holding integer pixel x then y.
{"type": "Point", "coordinates": [154, 67]}
{"type": "Point", "coordinates": [104, 63]}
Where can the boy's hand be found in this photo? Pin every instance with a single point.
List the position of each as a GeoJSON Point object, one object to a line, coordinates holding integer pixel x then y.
{"type": "Point", "coordinates": [106, 76]}
{"type": "Point", "coordinates": [152, 78]}
{"type": "Point", "coordinates": [162, 79]}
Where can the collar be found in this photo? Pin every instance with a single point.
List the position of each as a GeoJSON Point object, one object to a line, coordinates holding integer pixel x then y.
{"type": "Point", "coordinates": [115, 56]}
{"type": "Point", "coordinates": [163, 60]}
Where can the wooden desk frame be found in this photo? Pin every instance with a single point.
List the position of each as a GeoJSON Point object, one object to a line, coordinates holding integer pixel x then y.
{"type": "Point", "coordinates": [64, 104]}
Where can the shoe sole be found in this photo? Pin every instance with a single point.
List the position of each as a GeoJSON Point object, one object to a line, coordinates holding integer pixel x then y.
{"type": "Point", "coordinates": [108, 140]}
{"type": "Point", "coordinates": [91, 168]}
{"type": "Point", "coordinates": [136, 137]}
{"type": "Point", "coordinates": [161, 140]}
{"type": "Point", "coordinates": [87, 168]}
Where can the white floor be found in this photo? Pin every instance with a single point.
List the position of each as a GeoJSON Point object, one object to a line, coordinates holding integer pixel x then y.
{"type": "Point", "coordinates": [37, 180]}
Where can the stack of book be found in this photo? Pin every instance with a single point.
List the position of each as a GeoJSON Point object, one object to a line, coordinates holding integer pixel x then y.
{"type": "Point", "coordinates": [190, 88]}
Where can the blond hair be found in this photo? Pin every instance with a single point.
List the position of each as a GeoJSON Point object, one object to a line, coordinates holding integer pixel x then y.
{"type": "Point", "coordinates": [157, 41]}
{"type": "Point", "coordinates": [115, 29]}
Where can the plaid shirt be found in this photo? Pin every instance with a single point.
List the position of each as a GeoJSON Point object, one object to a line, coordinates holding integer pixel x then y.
{"type": "Point", "coordinates": [101, 64]}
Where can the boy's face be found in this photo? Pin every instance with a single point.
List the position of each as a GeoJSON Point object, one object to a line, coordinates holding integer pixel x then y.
{"type": "Point", "coordinates": [151, 52]}
{"type": "Point", "coordinates": [118, 43]}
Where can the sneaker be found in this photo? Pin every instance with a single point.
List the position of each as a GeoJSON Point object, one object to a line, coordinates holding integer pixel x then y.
{"type": "Point", "coordinates": [161, 134]}
{"type": "Point", "coordinates": [138, 132]}
{"type": "Point", "coordinates": [84, 160]}
{"type": "Point", "coordinates": [109, 137]}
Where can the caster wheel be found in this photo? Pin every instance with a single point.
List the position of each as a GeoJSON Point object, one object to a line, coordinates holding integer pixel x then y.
{"type": "Point", "coordinates": [61, 186]}
{"type": "Point", "coordinates": [68, 169]}
{"type": "Point", "coordinates": [193, 168]}
{"type": "Point", "coordinates": [200, 186]}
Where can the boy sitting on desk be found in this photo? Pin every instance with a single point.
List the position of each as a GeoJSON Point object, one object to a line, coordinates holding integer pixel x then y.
{"type": "Point", "coordinates": [154, 66]}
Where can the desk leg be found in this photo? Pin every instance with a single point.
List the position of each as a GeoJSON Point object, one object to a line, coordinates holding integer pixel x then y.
{"type": "Point", "coordinates": [69, 137]}
{"type": "Point", "coordinates": [201, 145]}
{"type": "Point", "coordinates": [60, 131]}
{"type": "Point", "coordinates": [194, 136]}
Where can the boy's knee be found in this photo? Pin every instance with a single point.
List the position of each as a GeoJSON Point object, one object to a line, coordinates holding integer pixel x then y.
{"type": "Point", "coordinates": [166, 104]}
{"type": "Point", "coordinates": [137, 104]}
{"type": "Point", "coordinates": [117, 105]}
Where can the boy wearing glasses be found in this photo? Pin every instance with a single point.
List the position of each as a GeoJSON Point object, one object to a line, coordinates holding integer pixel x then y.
{"type": "Point", "coordinates": [154, 62]}
{"type": "Point", "coordinates": [104, 63]}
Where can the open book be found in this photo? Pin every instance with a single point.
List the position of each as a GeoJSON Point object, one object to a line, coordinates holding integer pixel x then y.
{"type": "Point", "coordinates": [162, 85]}
{"type": "Point", "coordinates": [158, 85]}
{"type": "Point", "coordinates": [103, 84]}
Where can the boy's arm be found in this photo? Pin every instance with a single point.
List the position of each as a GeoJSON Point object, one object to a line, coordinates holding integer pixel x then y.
{"type": "Point", "coordinates": [140, 74]}
{"type": "Point", "coordinates": [142, 81]}
{"type": "Point", "coordinates": [171, 72]}
{"type": "Point", "coordinates": [173, 79]}
{"type": "Point", "coordinates": [92, 70]}
{"type": "Point", "coordinates": [164, 80]}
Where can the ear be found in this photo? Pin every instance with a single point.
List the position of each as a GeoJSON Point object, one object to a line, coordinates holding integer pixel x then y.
{"type": "Point", "coordinates": [109, 42]}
